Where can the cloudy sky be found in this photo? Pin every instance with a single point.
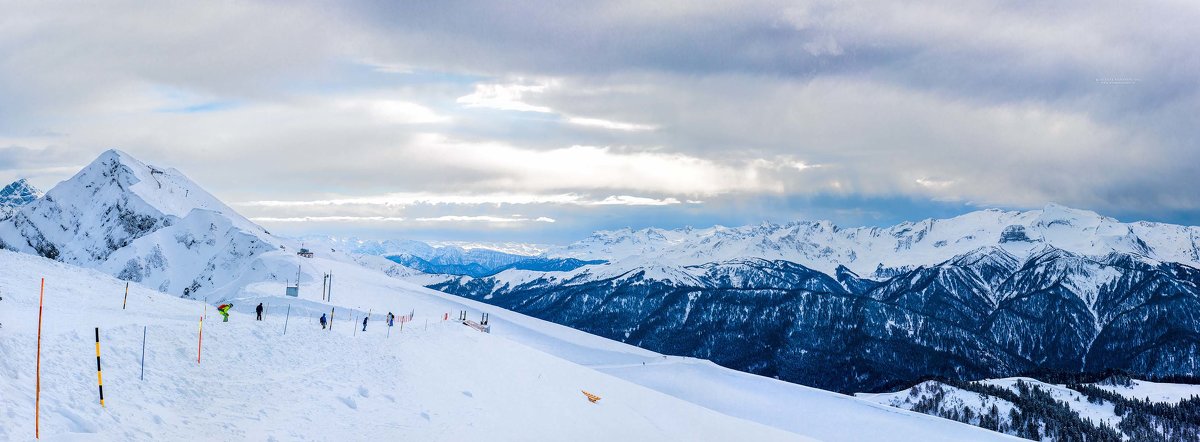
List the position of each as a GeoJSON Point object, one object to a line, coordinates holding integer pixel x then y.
{"type": "Point", "coordinates": [540, 122]}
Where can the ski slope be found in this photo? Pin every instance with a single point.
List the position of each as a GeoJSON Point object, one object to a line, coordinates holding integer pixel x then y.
{"type": "Point", "coordinates": [443, 382]}
{"type": "Point", "coordinates": [440, 381]}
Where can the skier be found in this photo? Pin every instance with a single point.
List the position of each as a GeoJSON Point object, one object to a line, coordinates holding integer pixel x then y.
{"type": "Point", "coordinates": [323, 321]}
{"type": "Point", "coordinates": [224, 310]}
{"type": "Point", "coordinates": [364, 323]}
{"type": "Point", "coordinates": [391, 319]}
{"type": "Point", "coordinates": [259, 310]}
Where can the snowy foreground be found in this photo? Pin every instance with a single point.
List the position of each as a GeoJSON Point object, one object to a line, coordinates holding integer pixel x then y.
{"type": "Point", "coordinates": [440, 381]}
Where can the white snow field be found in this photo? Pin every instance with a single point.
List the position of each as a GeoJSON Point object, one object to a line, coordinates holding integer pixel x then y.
{"type": "Point", "coordinates": [447, 382]}
{"type": "Point", "coordinates": [443, 381]}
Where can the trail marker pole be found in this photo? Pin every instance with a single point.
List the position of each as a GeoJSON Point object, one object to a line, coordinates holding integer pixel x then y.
{"type": "Point", "coordinates": [331, 310]}
{"type": "Point", "coordinates": [126, 300]}
{"type": "Point", "coordinates": [37, 402]}
{"type": "Point", "coordinates": [99, 377]}
{"type": "Point", "coordinates": [143, 375]}
{"type": "Point", "coordinates": [200, 342]}
{"type": "Point", "coordinates": [285, 318]}
{"type": "Point", "coordinates": [355, 326]}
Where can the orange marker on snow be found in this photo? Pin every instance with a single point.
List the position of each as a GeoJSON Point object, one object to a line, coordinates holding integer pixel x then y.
{"type": "Point", "coordinates": [591, 397]}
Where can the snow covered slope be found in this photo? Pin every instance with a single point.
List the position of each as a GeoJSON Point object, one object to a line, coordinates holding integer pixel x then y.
{"type": "Point", "coordinates": [446, 382]}
{"type": "Point", "coordinates": [872, 251]}
{"type": "Point", "coordinates": [430, 381]}
{"type": "Point", "coordinates": [1153, 391]}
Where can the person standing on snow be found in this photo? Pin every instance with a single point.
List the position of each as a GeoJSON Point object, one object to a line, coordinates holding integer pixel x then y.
{"type": "Point", "coordinates": [224, 310]}
{"type": "Point", "coordinates": [364, 323]}
{"type": "Point", "coordinates": [391, 319]}
{"type": "Point", "coordinates": [259, 311]}
{"type": "Point", "coordinates": [323, 321]}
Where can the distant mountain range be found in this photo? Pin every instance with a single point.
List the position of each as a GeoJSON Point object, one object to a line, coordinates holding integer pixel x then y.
{"type": "Point", "coordinates": [451, 259]}
{"type": "Point", "coordinates": [984, 295]}
{"type": "Point", "coordinates": [879, 252]}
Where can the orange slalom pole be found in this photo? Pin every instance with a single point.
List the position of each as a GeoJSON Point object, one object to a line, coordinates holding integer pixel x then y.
{"type": "Point", "coordinates": [37, 413]}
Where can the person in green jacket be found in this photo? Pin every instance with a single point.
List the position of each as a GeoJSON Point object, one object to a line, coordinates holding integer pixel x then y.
{"type": "Point", "coordinates": [224, 310]}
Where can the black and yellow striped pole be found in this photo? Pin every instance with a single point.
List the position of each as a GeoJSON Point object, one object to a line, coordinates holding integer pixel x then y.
{"type": "Point", "coordinates": [99, 378]}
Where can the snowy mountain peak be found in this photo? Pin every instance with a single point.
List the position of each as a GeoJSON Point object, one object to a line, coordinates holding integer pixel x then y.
{"type": "Point", "coordinates": [16, 195]}
{"type": "Point", "coordinates": [1055, 214]}
{"type": "Point", "coordinates": [141, 223]}
{"type": "Point", "coordinates": [163, 189]}
{"type": "Point", "coordinates": [19, 193]}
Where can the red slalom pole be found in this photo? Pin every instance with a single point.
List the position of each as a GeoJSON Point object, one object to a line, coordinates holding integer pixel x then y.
{"type": "Point", "coordinates": [37, 403]}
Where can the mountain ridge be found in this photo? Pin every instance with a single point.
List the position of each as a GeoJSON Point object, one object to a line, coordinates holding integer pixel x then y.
{"type": "Point", "coordinates": [823, 246]}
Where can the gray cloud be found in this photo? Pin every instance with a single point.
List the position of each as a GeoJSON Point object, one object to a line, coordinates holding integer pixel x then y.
{"type": "Point", "coordinates": [985, 103]}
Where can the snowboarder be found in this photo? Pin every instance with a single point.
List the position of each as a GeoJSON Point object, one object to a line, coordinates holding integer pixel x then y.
{"type": "Point", "coordinates": [323, 321]}
{"type": "Point", "coordinates": [224, 310]}
{"type": "Point", "coordinates": [364, 323]}
{"type": "Point", "coordinates": [391, 319]}
{"type": "Point", "coordinates": [259, 310]}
